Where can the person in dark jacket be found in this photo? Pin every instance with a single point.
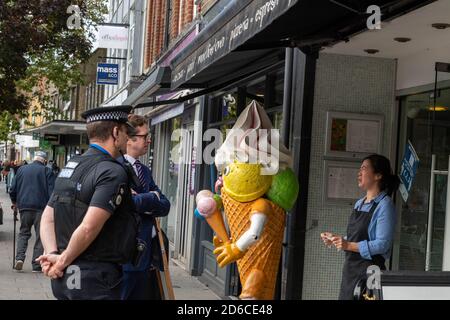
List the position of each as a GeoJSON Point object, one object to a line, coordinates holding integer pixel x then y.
{"type": "Point", "coordinates": [140, 282]}
{"type": "Point", "coordinates": [30, 191]}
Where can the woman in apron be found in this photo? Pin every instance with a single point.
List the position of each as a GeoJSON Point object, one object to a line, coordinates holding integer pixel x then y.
{"type": "Point", "coordinates": [371, 226]}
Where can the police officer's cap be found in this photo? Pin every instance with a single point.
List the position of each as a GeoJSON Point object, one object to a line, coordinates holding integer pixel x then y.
{"type": "Point", "coordinates": [116, 114]}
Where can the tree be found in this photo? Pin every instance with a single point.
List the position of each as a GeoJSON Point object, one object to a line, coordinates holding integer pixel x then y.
{"type": "Point", "coordinates": [9, 124]}
{"type": "Point", "coordinates": [41, 43]}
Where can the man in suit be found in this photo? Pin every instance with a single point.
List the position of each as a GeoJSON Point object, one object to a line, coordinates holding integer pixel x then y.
{"type": "Point", "coordinates": [140, 282]}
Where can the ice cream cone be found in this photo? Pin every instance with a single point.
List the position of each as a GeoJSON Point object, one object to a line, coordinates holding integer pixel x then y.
{"type": "Point", "coordinates": [216, 222]}
{"type": "Point", "coordinates": [266, 253]}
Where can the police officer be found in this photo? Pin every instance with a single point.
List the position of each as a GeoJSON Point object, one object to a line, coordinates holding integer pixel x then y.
{"type": "Point", "coordinates": [89, 226]}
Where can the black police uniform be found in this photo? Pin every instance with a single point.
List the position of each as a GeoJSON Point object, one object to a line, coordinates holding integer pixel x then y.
{"type": "Point", "coordinates": [98, 180]}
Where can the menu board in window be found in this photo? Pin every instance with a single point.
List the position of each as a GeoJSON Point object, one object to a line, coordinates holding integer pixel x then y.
{"type": "Point", "coordinates": [341, 182]}
{"type": "Point", "coordinates": [353, 135]}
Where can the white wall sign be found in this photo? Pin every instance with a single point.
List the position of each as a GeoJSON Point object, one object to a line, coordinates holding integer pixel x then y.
{"type": "Point", "coordinates": [26, 141]}
{"type": "Point", "coordinates": [341, 182]}
{"type": "Point", "coordinates": [113, 37]}
{"type": "Point", "coordinates": [353, 135]}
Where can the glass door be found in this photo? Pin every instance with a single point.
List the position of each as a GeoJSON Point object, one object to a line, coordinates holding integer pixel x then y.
{"type": "Point", "coordinates": [424, 234]}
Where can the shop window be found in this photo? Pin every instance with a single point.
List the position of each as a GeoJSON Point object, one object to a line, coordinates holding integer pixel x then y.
{"type": "Point", "coordinates": [428, 129]}
{"type": "Point", "coordinates": [170, 180]}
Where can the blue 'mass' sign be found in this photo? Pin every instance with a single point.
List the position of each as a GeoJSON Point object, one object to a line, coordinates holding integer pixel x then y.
{"type": "Point", "coordinates": [108, 73]}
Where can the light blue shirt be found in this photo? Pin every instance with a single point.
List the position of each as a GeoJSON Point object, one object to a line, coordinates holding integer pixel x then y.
{"type": "Point", "coordinates": [381, 227]}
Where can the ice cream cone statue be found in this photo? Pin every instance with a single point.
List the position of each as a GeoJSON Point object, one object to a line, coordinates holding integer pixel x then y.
{"type": "Point", "coordinates": [257, 187]}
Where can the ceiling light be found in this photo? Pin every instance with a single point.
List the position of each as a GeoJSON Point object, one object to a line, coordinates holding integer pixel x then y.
{"type": "Point", "coordinates": [372, 51]}
{"type": "Point", "coordinates": [438, 108]}
{"type": "Point", "coordinates": [402, 39]}
{"type": "Point", "coordinates": [440, 26]}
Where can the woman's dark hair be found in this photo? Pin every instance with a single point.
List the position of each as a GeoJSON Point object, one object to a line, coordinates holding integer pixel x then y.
{"type": "Point", "coordinates": [381, 165]}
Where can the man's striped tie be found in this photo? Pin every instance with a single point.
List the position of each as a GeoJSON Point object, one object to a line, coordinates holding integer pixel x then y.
{"type": "Point", "coordinates": [140, 172]}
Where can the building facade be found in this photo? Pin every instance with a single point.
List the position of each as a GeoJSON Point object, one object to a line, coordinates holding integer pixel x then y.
{"type": "Point", "coordinates": [383, 88]}
{"type": "Point", "coordinates": [193, 65]}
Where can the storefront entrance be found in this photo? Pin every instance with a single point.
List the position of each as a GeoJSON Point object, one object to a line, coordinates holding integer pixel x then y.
{"type": "Point", "coordinates": [184, 217]}
{"type": "Point", "coordinates": [186, 192]}
{"type": "Point", "coordinates": [425, 218]}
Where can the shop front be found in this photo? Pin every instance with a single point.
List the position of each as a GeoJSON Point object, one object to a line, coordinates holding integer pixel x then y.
{"type": "Point", "coordinates": [246, 53]}
{"type": "Point", "coordinates": [240, 57]}
{"type": "Point", "coordinates": [424, 228]}
{"type": "Point", "coordinates": [400, 74]}
{"type": "Point", "coordinates": [61, 140]}
{"type": "Point", "coordinates": [173, 163]}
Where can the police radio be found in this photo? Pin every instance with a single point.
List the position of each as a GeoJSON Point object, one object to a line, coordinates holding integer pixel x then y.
{"type": "Point", "coordinates": [140, 249]}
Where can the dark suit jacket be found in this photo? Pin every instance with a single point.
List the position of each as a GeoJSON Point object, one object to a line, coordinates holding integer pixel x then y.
{"type": "Point", "coordinates": [149, 207]}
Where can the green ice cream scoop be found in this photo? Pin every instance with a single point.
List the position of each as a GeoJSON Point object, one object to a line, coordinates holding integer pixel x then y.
{"type": "Point", "coordinates": [284, 189]}
{"type": "Point", "coordinates": [218, 200]}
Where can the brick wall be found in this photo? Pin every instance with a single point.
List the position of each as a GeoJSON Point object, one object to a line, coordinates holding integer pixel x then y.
{"type": "Point", "coordinates": [180, 18]}
{"type": "Point", "coordinates": [154, 36]}
{"type": "Point", "coordinates": [188, 13]}
{"type": "Point", "coordinates": [175, 18]}
{"type": "Point", "coordinates": [205, 5]}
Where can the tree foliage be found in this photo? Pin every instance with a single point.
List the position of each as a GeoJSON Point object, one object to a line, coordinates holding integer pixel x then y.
{"type": "Point", "coordinates": [8, 123]}
{"type": "Point", "coordinates": [40, 46]}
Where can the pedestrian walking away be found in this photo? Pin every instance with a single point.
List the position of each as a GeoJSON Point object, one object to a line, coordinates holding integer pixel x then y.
{"type": "Point", "coordinates": [30, 191]}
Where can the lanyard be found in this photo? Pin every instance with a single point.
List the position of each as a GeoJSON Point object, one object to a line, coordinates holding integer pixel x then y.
{"type": "Point", "coordinates": [96, 146]}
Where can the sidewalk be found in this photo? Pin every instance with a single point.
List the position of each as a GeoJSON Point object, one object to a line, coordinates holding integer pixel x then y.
{"type": "Point", "coordinates": [31, 286]}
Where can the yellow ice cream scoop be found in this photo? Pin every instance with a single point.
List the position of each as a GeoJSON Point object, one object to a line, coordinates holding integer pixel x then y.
{"type": "Point", "coordinates": [243, 181]}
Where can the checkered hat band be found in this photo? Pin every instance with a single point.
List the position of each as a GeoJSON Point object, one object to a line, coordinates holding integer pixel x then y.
{"type": "Point", "coordinates": [108, 116]}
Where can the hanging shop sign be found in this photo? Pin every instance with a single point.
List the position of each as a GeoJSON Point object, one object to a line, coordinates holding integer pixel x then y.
{"type": "Point", "coordinates": [408, 170]}
{"type": "Point", "coordinates": [113, 37]}
{"type": "Point", "coordinates": [108, 73]}
{"type": "Point", "coordinates": [52, 137]}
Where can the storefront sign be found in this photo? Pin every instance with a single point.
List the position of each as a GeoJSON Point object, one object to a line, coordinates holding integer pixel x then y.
{"type": "Point", "coordinates": [51, 137]}
{"type": "Point", "coordinates": [169, 114]}
{"type": "Point", "coordinates": [408, 170]}
{"type": "Point", "coordinates": [26, 141]}
{"type": "Point", "coordinates": [113, 37]}
{"type": "Point", "coordinates": [251, 20]}
{"type": "Point", "coordinates": [179, 47]}
{"type": "Point", "coordinates": [108, 73]}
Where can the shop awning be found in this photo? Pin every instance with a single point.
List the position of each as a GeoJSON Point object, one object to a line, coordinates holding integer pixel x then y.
{"type": "Point", "coordinates": [60, 127]}
{"type": "Point", "coordinates": [158, 82]}
{"type": "Point", "coordinates": [246, 30]}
